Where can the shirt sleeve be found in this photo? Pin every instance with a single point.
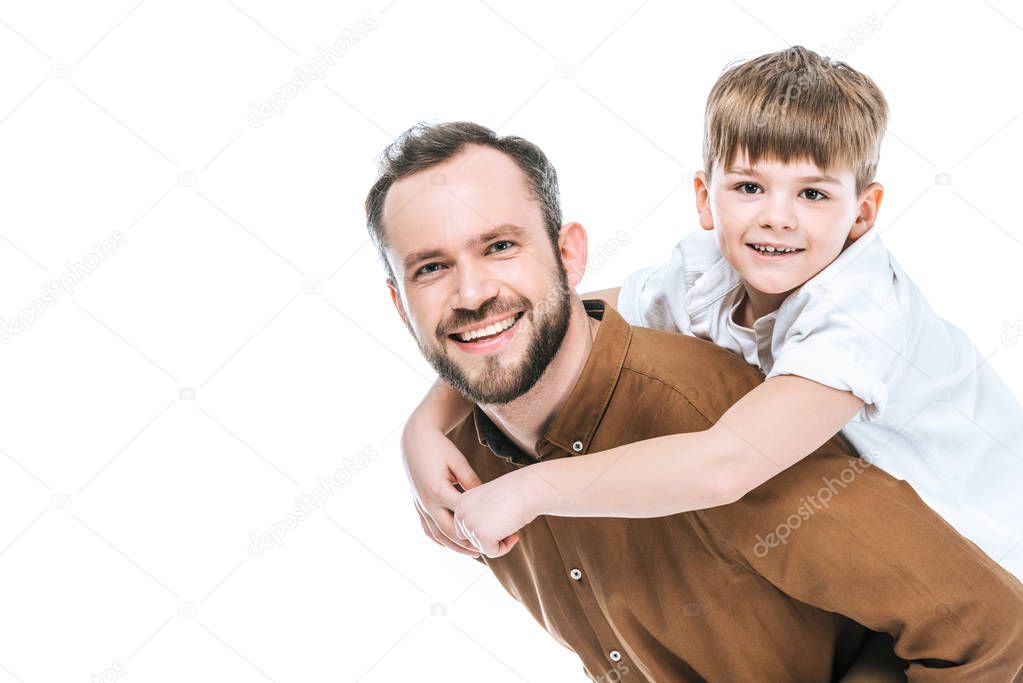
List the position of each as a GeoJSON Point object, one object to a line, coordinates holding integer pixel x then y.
{"type": "Point", "coordinates": [839, 534]}
{"type": "Point", "coordinates": [655, 296]}
{"type": "Point", "coordinates": [849, 334]}
{"type": "Point", "coordinates": [636, 295]}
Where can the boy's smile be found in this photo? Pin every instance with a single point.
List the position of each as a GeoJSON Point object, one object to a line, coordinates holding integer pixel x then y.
{"type": "Point", "coordinates": [780, 223]}
{"type": "Point", "coordinates": [772, 250]}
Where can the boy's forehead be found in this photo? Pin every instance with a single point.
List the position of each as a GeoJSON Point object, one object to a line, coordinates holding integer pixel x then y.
{"type": "Point", "coordinates": [803, 166]}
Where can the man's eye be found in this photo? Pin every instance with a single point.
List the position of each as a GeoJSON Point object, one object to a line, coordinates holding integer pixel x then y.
{"type": "Point", "coordinates": [747, 188]}
{"type": "Point", "coordinates": [424, 270]}
{"type": "Point", "coordinates": [502, 242]}
{"type": "Point", "coordinates": [813, 195]}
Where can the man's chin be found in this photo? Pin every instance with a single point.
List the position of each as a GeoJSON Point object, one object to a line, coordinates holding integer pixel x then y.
{"type": "Point", "coordinates": [485, 385]}
{"type": "Point", "coordinates": [489, 394]}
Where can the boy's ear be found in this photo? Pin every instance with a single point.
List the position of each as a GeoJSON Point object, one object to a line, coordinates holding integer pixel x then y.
{"type": "Point", "coordinates": [870, 204]}
{"type": "Point", "coordinates": [573, 245]}
{"type": "Point", "coordinates": [701, 186]}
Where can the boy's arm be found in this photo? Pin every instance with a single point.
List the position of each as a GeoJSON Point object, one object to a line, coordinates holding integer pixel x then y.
{"type": "Point", "coordinates": [438, 472]}
{"type": "Point", "coordinates": [608, 295]}
{"type": "Point", "coordinates": [442, 408]}
{"type": "Point", "coordinates": [778, 423]}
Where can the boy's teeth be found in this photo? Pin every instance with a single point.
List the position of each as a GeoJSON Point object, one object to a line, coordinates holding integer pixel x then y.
{"type": "Point", "coordinates": [772, 250]}
{"type": "Point", "coordinates": [488, 330]}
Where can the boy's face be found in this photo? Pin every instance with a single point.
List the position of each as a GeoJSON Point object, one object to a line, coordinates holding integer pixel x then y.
{"type": "Point", "coordinates": [779, 224]}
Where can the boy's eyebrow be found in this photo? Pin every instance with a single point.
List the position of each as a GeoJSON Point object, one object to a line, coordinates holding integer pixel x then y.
{"type": "Point", "coordinates": [499, 231]}
{"type": "Point", "coordinates": [820, 179]}
{"type": "Point", "coordinates": [740, 170]}
{"type": "Point", "coordinates": [805, 179]}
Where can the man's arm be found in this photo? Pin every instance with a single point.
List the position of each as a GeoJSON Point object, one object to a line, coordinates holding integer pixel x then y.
{"type": "Point", "coordinates": [837, 533]}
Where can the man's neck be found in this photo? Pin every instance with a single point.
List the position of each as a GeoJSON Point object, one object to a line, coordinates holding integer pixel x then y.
{"type": "Point", "coordinates": [526, 419]}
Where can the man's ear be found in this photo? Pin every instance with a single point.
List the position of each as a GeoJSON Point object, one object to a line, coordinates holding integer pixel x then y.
{"type": "Point", "coordinates": [701, 186]}
{"type": "Point", "coordinates": [870, 204]}
{"type": "Point", "coordinates": [574, 247]}
{"type": "Point", "coordinates": [396, 299]}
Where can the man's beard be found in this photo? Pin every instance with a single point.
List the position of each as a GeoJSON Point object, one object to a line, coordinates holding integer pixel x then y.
{"type": "Point", "coordinates": [495, 383]}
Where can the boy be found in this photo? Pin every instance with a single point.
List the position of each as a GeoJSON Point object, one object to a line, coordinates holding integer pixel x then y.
{"type": "Point", "coordinates": [790, 275]}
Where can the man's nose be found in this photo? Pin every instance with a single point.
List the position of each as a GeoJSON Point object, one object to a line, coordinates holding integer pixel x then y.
{"type": "Point", "coordinates": [475, 286]}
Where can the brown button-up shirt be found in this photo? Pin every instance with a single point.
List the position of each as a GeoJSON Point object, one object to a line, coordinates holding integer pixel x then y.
{"type": "Point", "coordinates": [775, 587]}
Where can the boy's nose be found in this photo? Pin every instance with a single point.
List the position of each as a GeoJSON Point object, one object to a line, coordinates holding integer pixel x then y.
{"type": "Point", "coordinates": [777, 215]}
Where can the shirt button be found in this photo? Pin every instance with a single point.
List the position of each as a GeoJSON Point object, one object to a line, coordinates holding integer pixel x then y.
{"type": "Point", "coordinates": [575, 574]}
{"type": "Point", "coordinates": [577, 446]}
{"type": "Point", "coordinates": [615, 655]}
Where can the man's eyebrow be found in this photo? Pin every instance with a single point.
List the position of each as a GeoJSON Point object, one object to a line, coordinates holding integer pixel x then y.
{"type": "Point", "coordinates": [805, 179]}
{"type": "Point", "coordinates": [505, 230]}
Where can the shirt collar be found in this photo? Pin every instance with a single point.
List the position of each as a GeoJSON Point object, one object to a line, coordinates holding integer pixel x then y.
{"type": "Point", "coordinates": [572, 429]}
{"type": "Point", "coordinates": [717, 282]}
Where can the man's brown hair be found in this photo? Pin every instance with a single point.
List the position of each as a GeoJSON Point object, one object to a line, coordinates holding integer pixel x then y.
{"type": "Point", "coordinates": [795, 104]}
{"type": "Point", "coordinates": [424, 145]}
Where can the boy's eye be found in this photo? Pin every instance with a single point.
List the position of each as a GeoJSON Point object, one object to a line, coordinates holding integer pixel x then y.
{"type": "Point", "coordinates": [747, 188]}
{"type": "Point", "coordinates": [502, 242]}
{"type": "Point", "coordinates": [813, 195]}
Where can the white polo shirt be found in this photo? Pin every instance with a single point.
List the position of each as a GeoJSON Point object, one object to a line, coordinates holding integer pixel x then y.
{"type": "Point", "coordinates": [936, 414]}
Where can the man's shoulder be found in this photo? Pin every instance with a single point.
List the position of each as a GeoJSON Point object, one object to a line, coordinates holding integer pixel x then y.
{"type": "Point", "coordinates": [696, 371]}
{"type": "Point", "coordinates": [672, 357]}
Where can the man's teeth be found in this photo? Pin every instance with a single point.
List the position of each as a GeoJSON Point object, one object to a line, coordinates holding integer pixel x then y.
{"type": "Point", "coordinates": [488, 330]}
{"type": "Point", "coordinates": [773, 250]}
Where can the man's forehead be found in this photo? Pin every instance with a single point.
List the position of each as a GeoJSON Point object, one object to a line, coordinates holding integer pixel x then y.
{"type": "Point", "coordinates": [477, 189]}
{"type": "Point", "coordinates": [476, 174]}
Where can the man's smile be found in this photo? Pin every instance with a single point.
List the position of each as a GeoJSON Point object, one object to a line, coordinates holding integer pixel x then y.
{"type": "Point", "coordinates": [487, 338]}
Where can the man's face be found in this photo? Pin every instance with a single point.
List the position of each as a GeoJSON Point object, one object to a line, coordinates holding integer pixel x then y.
{"type": "Point", "coordinates": [478, 281]}
{"type": "Point", "coordinates": [779, 224]}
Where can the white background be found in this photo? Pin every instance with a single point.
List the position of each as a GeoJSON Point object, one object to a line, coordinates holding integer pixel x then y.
{"type": "Point", "coordinates": [246, 276]}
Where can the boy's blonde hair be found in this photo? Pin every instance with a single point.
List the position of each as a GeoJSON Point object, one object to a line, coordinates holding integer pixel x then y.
{"type": "Point", "coordinates": [795, 104]}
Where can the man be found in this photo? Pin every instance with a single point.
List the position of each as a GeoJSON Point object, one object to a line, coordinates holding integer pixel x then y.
{"type": "Point", "coordinates": [767, 588]}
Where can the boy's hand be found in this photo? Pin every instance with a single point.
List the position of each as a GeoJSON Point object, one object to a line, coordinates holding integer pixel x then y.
{"type": "Point", "coordinates": [433, 466]}
{"type": "Point", "coordinates": [490, 514]}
